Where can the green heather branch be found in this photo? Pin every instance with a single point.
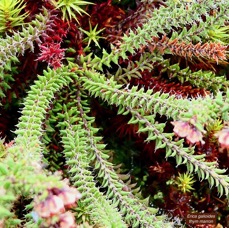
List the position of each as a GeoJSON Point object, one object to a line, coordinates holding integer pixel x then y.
{"type": "Point", "coordinates": [30, 125]}
{"type": "Point", "coordinates": [149, 61]}
{"type": "Point", "coordinates": [135, 213]}
{"type": "Point", "coordinates": [204, 109]}
{"type": "Point", "coordinates": [16, 44]}
{"type": "Point", "coordinates": [28, 174]}
{"type": "Point", "coordinates": [76, 150]}
{"type": "Point", "coordinates": [201, 79]}
{"type": "Point", "coordinates": [202, 30]}
{"type": "Point", "coordinates": [19, 42]}
{"type": "Point", "coordinates": [166, 19]}
{"type": "Point", "coordinates": [196, 163]}
{"type": "Point", "coordinates": [111, 91]}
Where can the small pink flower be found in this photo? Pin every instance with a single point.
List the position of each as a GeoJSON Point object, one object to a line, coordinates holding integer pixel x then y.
{"type": "Point", "coordinates": [56, 205]}
{"type": "Point", "coordinates": [52, 205]}
{"type": "Point", "coordinates": [69, 196]}
{"type": "Point", "coordinates": [185, 129]}
{"type": "Point", "coordinates": [67, 220]}
{"type": "Point", "coordinates": [223, 137]}
{"type": "Point", "coordinates": [181, 128]}
{"type": "Point", "coordinates": [42, 209]}
{"type": "Point", "coordinates": [195, 136]}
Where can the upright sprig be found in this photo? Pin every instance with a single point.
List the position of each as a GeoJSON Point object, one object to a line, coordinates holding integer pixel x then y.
{"type": "Point", "coordinates": [92, 35]}
{"type": "Point", "coordinates": [11, 15]}
{"type": "Point", "coordinates": [69, 8]}
{"type": "Point", "coordinates": [15, 45]}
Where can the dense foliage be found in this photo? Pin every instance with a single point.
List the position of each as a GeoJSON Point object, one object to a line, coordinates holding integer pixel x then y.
{"type": "Point", "coordinates": [113, 113]}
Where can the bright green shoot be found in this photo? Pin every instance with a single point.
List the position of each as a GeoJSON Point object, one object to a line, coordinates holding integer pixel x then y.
{"type": "Point", "coordinates": [219, 34]}
{"type": "Point", "coordinates": [70, 8]}
{"type": "Point", "coordinates": [92, 35]}
{"type": "Point", "coordinates": [185, 182]}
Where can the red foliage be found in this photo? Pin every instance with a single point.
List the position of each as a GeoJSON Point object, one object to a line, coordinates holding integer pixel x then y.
{"type": "Point", "coordinates": [51, 53]}
{"type": "Point", "coordinates": [108, 16]}
{"type": "Point", "coordinates": [210, 150]}
{"type": "Point", "coordinates": [57, 31]}
{"type": "Point", "coordinates": [75, 38]}
{"type": "Point", "coordinates": [158, 83]}
{"type": "Point", "coordinates": [123, 129]}
{"type": "Point", "coordinates": [177, 203]}
{"type": "Point", "coordinates": [212, 51]}
{"type": "Point", "coordinates": [35, 7]}
{"type": "Point", "coordinates": [162, 172]}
